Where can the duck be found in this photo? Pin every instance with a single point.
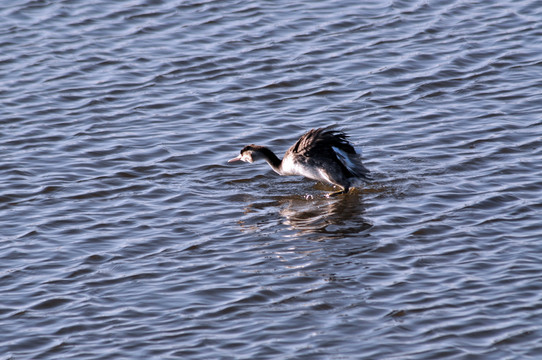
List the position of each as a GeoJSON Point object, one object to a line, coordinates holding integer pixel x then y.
{"type": "Point", "coordinates": [320, 154]}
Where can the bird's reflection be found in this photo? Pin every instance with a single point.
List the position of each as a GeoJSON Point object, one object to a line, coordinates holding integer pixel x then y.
{"type": "Point", "coordinates": [299, 232]}
{"type": "Point", "coordinates": [319, 217]}
{"type": "Point", "coordinates": [328, 218]}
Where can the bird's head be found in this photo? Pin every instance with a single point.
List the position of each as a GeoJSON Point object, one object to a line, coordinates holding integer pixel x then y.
{"type": "Point", "coordinates": [249, 153]}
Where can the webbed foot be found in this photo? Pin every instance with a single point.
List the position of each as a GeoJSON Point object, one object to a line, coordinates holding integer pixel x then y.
{"type": "Point", "coordinates": [333, 194]}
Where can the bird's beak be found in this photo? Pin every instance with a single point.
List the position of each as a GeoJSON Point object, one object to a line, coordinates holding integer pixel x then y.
{"type": "Point", "coordinates": [235, 159]}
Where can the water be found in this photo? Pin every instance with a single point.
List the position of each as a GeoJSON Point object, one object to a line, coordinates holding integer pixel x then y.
{"type": "Point", "coordinates": [125, 234]}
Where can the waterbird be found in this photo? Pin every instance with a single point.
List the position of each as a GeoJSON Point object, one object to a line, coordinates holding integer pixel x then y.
{"type": "Point", "coordinates": [320, 154]}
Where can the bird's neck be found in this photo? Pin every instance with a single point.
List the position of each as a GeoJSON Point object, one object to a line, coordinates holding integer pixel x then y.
{"type": "Point", "coordinates": [271, 159]}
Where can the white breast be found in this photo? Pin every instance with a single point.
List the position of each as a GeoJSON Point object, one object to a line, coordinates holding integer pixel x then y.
{"type": "Point", "coordinates": [290, 167]}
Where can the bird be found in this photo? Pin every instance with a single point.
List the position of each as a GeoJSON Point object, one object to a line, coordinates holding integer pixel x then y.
{"type": "Point", "coordinates": [320, 154]}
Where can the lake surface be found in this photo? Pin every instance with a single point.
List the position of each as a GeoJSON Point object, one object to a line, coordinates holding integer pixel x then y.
{"type": "Point", "coordinates": [124, 232]}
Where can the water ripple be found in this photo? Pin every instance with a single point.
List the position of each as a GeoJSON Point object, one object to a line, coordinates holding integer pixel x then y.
{"type": "Point", "coordinates": [124, 230]}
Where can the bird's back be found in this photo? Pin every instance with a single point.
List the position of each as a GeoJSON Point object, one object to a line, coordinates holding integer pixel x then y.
{"type": "Point", "coordinates": [330, 151]}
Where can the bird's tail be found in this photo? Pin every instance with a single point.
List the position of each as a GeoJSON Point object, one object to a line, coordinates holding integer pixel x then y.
{"type": "Point", "coordinates": [353, 164]}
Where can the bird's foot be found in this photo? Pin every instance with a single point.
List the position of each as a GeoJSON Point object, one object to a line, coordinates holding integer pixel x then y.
{"type": "Point", "coordinates": [333, 194]}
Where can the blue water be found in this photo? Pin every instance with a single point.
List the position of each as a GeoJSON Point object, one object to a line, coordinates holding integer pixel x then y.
{"type": "Point", "coordinates": [124, 232]}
